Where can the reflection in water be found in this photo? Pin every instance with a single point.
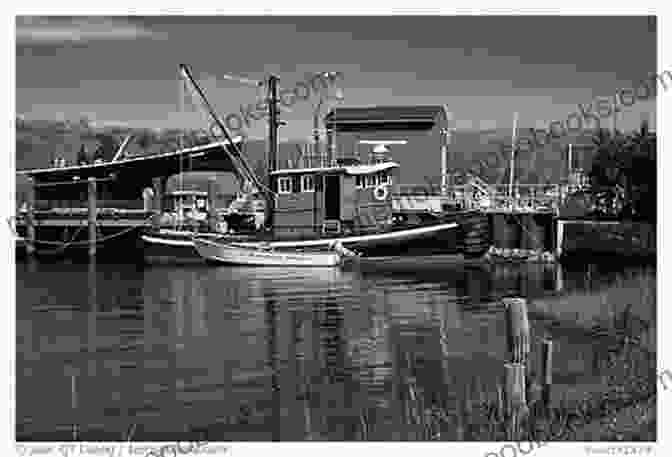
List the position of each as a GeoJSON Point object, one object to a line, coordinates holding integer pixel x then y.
{"type": "Point", "coordinates": [274, 354]}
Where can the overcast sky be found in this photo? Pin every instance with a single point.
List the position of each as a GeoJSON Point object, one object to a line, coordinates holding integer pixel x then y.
{"type": "Point", "coordinates": [124, 70]}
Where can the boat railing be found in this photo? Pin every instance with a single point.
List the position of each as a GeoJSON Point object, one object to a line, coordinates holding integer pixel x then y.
{"type": "Point", "coordinates": [519, 198]}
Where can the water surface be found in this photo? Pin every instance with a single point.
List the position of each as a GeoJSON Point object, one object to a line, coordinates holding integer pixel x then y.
{"type": "Point", "coordinates": [109, 351]}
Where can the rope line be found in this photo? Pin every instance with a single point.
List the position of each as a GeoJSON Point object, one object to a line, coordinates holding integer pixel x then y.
{"type": "Point", "coordinates": [64, 244]}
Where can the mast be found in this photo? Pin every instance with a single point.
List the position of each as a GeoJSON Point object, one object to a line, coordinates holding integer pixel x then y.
{"type": "Point", "coordinates": [242, 167]}
{"type": "Point", "coordinates": [512, 165]}
{"type": "Point", "coordinates": [180, 206]}
{"type": "Point", "coordinates": [569, 159]}
{"type": "Point", "coordinates": [273, 125]}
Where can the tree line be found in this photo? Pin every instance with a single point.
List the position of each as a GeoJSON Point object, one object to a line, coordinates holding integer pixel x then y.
{"type": "Point", "coordinates": [623, 174]}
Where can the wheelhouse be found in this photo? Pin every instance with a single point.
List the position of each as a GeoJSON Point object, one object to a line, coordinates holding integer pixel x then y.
{"type": "Point", "coordinates": [342, 199]}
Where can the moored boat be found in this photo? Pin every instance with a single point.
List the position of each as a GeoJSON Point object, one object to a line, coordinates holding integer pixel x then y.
{"type": "Point", "coordinates": [264, 255]}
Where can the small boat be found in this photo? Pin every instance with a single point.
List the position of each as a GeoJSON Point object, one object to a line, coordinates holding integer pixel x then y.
{"type": "Point", "coordinates": [265, 255]}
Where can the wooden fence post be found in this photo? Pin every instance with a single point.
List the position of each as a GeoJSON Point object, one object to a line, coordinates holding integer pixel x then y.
{"type": "Point", "coordinates": [92, 216]}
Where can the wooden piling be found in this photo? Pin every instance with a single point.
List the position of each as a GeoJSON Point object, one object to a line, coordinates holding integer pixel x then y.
{"type": "Point", "coordinates": [73, 404]}
{"type": "Point", "coordinates": [546, 373]}
{"type": "Point", "coordinates": [212, 212]}
{"type": "Point", "coordinates": [559, 238]}
{"type": "Point", "coordinates": [518, 347]}
{"type": "Point", "coordinates": [517, 329]}
{"type": "Point", "coordinates": [92, 216]}
{"type": "Point", "coordinates": [30, 219]}
{"type": "Point", "coordinates": [157, 184]}
{"type": "Point", "coordinates": [515, 402]}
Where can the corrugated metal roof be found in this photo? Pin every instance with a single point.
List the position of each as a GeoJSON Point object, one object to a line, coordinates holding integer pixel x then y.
{"type": "Point", "coordinates": [383, 114]}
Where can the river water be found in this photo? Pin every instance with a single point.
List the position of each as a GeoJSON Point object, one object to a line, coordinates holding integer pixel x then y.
{"type": "Point", "coordinates": [116, 351]}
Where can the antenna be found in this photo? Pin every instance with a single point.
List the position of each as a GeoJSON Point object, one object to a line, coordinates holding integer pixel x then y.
{"type": "Point", "coordinates": [380, 146]}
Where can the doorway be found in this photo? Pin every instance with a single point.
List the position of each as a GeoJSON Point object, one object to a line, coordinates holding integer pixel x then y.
{"type": "Point", "coordinates": [332, 197]}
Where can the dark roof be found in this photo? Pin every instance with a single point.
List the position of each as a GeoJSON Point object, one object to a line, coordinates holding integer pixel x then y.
{"type": "Point", "coordinates": [127, 177]}
{"type": "Point", "coordinates": [208, 157]}
{"type": "Point", "coordinates": [384, 118]}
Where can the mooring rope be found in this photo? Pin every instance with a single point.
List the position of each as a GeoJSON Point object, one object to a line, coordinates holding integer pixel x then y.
{"type": "Point", "coordinates": [62, 245]}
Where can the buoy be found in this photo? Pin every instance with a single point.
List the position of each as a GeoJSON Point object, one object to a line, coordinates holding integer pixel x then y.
{"type": "Point", "coordinates": [380, 192]}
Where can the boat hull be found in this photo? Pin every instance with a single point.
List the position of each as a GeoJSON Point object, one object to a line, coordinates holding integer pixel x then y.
{"type": "Point", "coordinates": [232, 254]}
{"type": "Point", "coordinates": [172, 247]}
{"type": "Point", "coordinates": [455, 234]}
{"type": "Point", "coordinates": [164, 247]}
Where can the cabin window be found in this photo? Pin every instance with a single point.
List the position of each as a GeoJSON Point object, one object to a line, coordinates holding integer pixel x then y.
{"type": "Point", "coordinates": [296, 184]}
{"type": "Point", "coordinates": [370, 180]}
{"type": "Point", "coordinates": [388, 179]}
{"type": "Point", "coordinates": [307, 183]}
{"type": "Point", "coordinates": [381, 178]}
{"type": "Point", "coordinates": [285, 185]}
{"type": "Point", "coordinates": [359, 182]}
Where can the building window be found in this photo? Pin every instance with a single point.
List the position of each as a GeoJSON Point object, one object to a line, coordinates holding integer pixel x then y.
{"type": "Point", "coordinates": [285, 185]}
{"type": "Point", "coordinates": [370, 180]}
{"type": "Point", "coordinates": [359, 182]}
{"type": "Point", "coordinates": [307, 183]}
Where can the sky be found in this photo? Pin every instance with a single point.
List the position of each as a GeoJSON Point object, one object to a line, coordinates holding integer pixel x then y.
{"type": "Point", "coordinates": [124, 70]}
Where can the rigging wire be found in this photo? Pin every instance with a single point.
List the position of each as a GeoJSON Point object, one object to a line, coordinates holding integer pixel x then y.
{"type": "Point", "coordinates": [243, 168]}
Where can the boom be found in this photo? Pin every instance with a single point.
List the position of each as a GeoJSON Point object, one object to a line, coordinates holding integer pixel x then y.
{"type": "Point", "coordinates": [244, 171]}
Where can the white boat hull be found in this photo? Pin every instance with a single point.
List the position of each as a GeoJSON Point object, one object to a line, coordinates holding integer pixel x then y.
{"type": "Point", "coordinates": [235, 254]}
{"type": "Point", "coordinates": [386, 237]}
{"type": "Point", "coordinates": [178, 247]}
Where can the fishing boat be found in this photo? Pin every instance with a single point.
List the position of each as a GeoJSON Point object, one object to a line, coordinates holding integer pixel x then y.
{"type": "Point", "coordinates": [341, 200]}
{"type": "Point", "coordinates": [123, 208]}
{"type": "Point", "coordinates": [264, 255]}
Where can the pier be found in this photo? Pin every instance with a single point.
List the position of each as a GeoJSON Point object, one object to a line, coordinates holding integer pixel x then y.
{"type": "Point", "coordinates": [524, 217]}
{"type": "Point", "coordinates": [103, 206]}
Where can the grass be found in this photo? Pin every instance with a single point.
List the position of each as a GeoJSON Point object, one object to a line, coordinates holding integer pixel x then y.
{"type": "Point", "coordinates": [591, 409]}
{"type": "Point", "coordinates": [629, 380]}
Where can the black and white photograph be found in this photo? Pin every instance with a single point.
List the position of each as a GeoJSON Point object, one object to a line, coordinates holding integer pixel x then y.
{"type": "Point", "coordinates": [335, 228]}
